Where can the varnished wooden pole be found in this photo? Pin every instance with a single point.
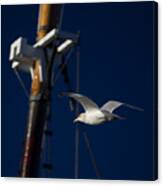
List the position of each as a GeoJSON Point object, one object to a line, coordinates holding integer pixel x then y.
{"type": "Point", "coordinates": [40, 99]}
{"type": "Point", "coordinates": [47, 20]}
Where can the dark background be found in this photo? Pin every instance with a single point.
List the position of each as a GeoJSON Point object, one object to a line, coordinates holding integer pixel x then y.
{"type": "Point", "coordinates": [116, 63]}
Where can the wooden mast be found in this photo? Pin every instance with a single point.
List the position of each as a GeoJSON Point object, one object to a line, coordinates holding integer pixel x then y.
{"type": "Point", "coordinates": [39, 102]}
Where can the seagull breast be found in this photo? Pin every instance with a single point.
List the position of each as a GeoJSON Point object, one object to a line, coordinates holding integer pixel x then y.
{"type": "Point", "coordinates": [94, 117]}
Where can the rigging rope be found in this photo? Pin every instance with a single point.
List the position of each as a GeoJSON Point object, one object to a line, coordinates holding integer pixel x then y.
{"type": "Point", "coordinates": [92, 157]}
{"type": "Point", "coordinates": [77, 129]}
{"type": "Point", "coordinates": [61, 18]}
{"type": "Point", "coordinates": [63, 66]}
{"type": "Point", "coordinates": [21, 83]}
{"type": "Point", "coordinates": [77, 134]}
{"type": "Point", "coordinates": [47, 155]}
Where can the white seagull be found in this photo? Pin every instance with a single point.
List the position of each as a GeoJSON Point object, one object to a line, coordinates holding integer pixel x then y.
{"type": "Point", "coordinates": [95, 115]}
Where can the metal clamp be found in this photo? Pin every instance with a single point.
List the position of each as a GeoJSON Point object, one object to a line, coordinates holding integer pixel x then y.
{"type": "Point", "coordinates": [23, 55]}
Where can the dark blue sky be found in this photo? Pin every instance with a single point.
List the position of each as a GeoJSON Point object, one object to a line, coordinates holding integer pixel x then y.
{"type": "Point", "coordinates": [117, 62]}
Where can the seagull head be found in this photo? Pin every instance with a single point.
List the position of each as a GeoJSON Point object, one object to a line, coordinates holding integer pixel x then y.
{"type": "Point", "coordinates": [80, 118]}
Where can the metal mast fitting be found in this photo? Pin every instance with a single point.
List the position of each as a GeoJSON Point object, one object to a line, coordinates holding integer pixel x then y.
{"type": "Point", "coordinates": [23, 55]}
{"type": "Point", "coordinates": [38, 60]}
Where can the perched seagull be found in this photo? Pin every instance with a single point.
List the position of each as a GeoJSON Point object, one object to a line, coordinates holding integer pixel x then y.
{"type": "Point", "coordinates": [95, 115]}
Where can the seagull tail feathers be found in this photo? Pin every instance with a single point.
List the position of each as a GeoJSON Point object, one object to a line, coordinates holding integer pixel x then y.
{"type": "Point", "coordinates": [118, 117]}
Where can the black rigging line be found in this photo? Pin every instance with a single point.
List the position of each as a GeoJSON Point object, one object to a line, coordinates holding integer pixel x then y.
{"type": "Point", "coordinates": [92, 157]}
{"type": "Point", "coordinates": [64, 71]}
{"type": "Point", "coordinates": [61, 18]}
{"type": "Point", "coordinates": [46, 154]}
{"type": "Point", "coordinates": [48, 158]}
{"type": "Point", "coordinates": [77, 131]}
{"type": "Point", "coordinates": [21, 83]}
{"type": "Point", "coordinates": [66, 61]}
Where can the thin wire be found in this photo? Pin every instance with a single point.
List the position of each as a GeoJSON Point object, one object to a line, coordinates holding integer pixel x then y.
{"type": "Point", "coordinates": [21, 83]}
{"type": "Point", "coordinates": [54, 79]}
{"type": "Point", "coordinates": [63, 66]}
{"type": "Point", "coordinates": [61, 18]}
{"type": "Point", "coordinates": [92, 157]}
{"type": "Point", "coordinates": [77, 132]}
{"type": "Point", "coordinates": [48, 153]}
{"type": "Point", "coordinates": [43, 152]}
{"type": "Point", "coordinates": [46, 145]}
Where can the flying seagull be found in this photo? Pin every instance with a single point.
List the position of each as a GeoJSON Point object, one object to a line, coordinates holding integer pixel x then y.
{"type": "Point", "coordinates": [95, 115]}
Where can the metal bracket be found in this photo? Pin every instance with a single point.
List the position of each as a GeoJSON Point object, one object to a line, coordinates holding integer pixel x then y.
{"type": "Point", "coordinates": [23, 55]}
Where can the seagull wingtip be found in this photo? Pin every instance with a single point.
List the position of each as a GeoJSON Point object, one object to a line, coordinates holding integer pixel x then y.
{"type": "Point", "coordinates": [139, 109]}
{"type": "Point", "coordinates": [66, 94]}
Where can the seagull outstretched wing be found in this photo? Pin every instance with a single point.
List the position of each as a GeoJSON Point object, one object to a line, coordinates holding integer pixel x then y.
{"type": "Point", "coordinates": [110, 115]}
{"type": "Point", "coordinates": [113, 105]}
{"type": "Point", "coordinates": [87, 104]}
